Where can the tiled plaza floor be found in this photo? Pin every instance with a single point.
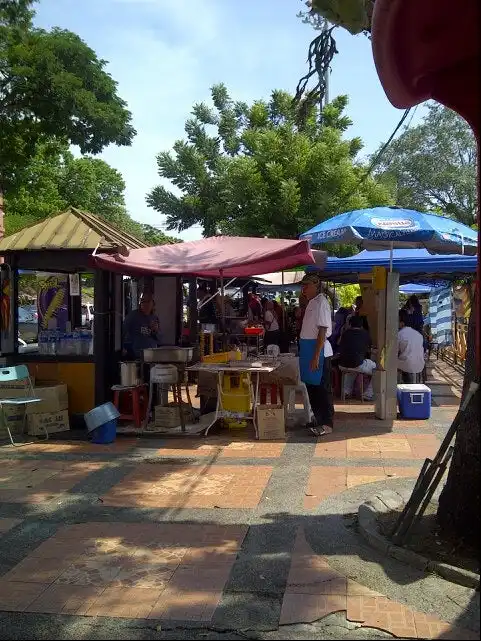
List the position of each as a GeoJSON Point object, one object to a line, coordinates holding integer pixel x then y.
{"type": "Point", "coordinates": [214, 531]}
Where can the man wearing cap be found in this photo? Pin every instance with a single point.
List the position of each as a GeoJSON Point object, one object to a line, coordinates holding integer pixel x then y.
{"type": "Point", "coordinates": [315, 353]}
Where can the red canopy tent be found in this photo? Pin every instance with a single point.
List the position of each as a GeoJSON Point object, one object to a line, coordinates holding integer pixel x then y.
{"type": "Point", "coordinates": [219, 256]}
{"type": "Point", "coordinates": [430, 50]}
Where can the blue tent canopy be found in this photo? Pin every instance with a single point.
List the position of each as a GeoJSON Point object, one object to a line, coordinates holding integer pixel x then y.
{"type": "Point", "coordinates": [416, 288]}
{"type": "Point", "coordinates": [413, 265]}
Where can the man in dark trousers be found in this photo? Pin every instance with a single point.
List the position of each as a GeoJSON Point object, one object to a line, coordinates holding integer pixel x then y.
{"type": "Point", "coordinates": [315, 354]}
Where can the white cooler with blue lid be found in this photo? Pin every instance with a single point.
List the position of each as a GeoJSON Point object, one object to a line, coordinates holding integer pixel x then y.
{"type": "Point", "coordinates": [414, 401]}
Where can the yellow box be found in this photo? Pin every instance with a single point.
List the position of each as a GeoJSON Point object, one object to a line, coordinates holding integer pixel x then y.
{"type": "Point", "coordinates": [220, 357]}
{"type": "Point", "coordinates": [379, 277]}
{"type": "Point", "coordinates": [271, 422]}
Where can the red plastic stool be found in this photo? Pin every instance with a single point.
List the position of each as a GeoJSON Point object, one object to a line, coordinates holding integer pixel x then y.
{"type": "Point", "coordinates": [138, 402]}
{"type": "Point", "coordinates": [275, 392]}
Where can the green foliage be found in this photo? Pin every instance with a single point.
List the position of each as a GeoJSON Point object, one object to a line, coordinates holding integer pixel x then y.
{"type": "Point", "coordinates": [353, 15]}
{"type": "Point", "coordinates": [265, 169]}
{"type": "Point", "coordinates": [54, 180]}
{"type": "Point", "coordinates": [347, 294]}
{"type": "Point", "coordinates": [52, 86]}
{"type": "Point", "coordinates": [432, 167]}
{"type": "Point", "coordinates": [154, 236]}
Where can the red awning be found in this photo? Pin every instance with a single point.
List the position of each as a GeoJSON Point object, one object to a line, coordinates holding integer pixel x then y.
{"type": "Point", "coordinates": [227, 256]}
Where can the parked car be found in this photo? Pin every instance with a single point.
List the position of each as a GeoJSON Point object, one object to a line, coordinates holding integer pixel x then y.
{"type": "Point", "coordinates": [87, 315]}
{"type": "Point", "coordinates": [25, 348]}
{"type": "Point", "coordinates": [28, 323]}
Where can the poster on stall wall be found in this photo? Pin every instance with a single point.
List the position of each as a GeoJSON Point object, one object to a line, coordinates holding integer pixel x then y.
{"type": "Point", "coordinates": [52, 302]}
{"type": "Point", "coordinates": [7, 342]}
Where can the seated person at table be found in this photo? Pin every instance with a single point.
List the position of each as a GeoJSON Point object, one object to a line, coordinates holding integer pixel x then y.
{"type": "Point", "coordinates": [141, 328]}
{"type": "Point", "coordinates": [354, 348]}
{"type": "Point", "coordinates": [207, 308]}
{"type": "Point", "coordinates": [271, 324]}
{"type": "Point", "coordinates": [410, 349]}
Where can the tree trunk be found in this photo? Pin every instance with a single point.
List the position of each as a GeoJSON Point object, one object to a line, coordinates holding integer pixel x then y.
{"type": "Point", "coordinates": [458, 511]}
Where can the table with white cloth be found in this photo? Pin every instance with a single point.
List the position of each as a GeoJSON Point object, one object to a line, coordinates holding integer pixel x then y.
{"type": "Point", "coordinates": [219, 369]}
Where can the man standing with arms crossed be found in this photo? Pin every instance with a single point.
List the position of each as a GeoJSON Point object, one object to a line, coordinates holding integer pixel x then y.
{"type": "Point", "coordinates": [315, 354]}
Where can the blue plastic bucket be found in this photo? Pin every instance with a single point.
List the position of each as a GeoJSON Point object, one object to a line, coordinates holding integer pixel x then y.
{"type": "Point", "coordinates": [100, 415]}
{"type": "Point", "coordinates": [105, 433]}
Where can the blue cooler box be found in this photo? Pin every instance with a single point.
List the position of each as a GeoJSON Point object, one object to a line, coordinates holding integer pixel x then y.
{"type": "Point", "coordinates": [414, 401]}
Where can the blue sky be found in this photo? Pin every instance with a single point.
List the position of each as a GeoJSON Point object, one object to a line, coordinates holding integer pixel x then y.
{"type": "Point", "coordinates": [166, 54]}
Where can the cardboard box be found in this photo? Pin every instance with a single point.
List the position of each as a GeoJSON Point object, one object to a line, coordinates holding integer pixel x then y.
{"type": "Point", "coordinates": [14, 418]}
{"type": "Point", "coordinates": [167, 416]}
{"type": "Point", "coordinates": [52, 421]}
{"type": "Point", "coordinates": [271, 422]}
{"type": "Point", "coordinates": [7, 386]}
{"type": "Point", "coordinates": [54, 397]}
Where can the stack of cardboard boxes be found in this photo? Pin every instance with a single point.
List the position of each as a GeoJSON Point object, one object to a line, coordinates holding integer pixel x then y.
{"type": "Point", "coordinates": [51, 412]}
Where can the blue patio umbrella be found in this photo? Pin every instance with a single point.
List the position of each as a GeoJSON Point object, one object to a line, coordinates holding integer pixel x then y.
{"type": "Point", "coordinates": [394, 227]}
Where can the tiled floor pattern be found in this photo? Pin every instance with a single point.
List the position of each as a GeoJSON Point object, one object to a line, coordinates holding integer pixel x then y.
{"type": "Point", "coordinates": [314, 590]}
{"type": "Point", "coordinates": [132, 570]}
{"type": "Point", "coordinates": [223, 448]}
{"type": "Point", "coordinates": [35, 481]}
{"type": "Point", "coordinates": [123, 445]}
{"type": "Point", "coordinates": [173, 571]}
{"type": "Point", "coordinates": [196, 486]}
{"type": "Point", "coordinates": [327, 481]}
{"type": "Point", "coordinates": [379, 447]}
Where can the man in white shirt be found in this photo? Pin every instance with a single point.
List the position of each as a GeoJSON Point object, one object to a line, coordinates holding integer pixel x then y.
{"type": "Point", "coordinates": [316, 354]}
{"type": "Point", "coordinates": [410, 350]}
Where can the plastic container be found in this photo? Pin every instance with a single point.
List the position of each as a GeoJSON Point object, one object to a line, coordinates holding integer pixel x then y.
{"type": "Point", "coordinates": [236, 399]}
{"type": "Point", "coordinates": [254, 331]}
{"type": "Point", "coordinates": [105, 433]}
{"type": "Point", "coordinates": [100, 415]}
{"type": "Point", "coordinates": [414, 401]}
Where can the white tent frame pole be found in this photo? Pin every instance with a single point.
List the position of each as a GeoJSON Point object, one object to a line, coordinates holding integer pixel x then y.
{"type": "Point", "coordinates": [218, 291]}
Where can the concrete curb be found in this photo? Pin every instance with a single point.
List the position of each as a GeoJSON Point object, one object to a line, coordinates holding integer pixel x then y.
{"type": "Point", "coordinates": [386, 502]}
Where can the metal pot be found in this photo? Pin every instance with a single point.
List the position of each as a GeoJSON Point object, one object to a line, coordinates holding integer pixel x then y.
{"type": "Point", "coordinates": [129, 373]}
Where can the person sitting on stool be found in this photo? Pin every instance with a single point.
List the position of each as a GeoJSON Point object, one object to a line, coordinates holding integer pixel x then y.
{"type": "Point", "coordinates": [354, 349]}
{"type": "Point", "coordinates": [410, 349]}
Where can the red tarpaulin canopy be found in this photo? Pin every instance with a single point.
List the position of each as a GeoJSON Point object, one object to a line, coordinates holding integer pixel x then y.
{"type": "Point", "coordinates": [227, 256]}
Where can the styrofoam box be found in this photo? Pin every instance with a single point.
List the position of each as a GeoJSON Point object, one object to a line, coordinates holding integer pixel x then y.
{"type": "Point", "coordinates": [414, 401]}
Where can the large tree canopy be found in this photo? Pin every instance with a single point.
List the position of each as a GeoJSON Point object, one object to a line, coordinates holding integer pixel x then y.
{"type": "Point", "coordinates": [52, 85]}
{"type": "Point", "coordinates": [432, 167]}
{"type": "Point", "coordinates": [266, 169]}
{"type": "Point", "coordinates": [55, 179]}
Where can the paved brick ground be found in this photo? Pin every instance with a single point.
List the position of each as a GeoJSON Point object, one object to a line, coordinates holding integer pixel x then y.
{"type": "Point", "coordinates": [213, 531]}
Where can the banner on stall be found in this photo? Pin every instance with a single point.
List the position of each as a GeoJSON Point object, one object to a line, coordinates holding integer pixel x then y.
{"type": "Point", "coordinates": [52, 303]}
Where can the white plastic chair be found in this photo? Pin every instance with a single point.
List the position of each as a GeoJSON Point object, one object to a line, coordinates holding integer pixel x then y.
{"type": "Point", "coordinates": [18, 373]}
{"type": "Point", "coordinates": [290, 392]}
{"type": "Point", "coordinates": [356, 373]}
